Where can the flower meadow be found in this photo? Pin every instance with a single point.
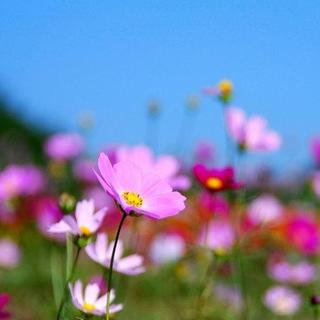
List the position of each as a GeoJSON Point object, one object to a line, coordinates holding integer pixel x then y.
{"type": "Point", "coordinates": [130, 233]}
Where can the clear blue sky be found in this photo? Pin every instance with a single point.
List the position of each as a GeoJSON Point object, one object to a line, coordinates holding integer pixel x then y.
{"type": "Point", "coordinates": [60, 57]}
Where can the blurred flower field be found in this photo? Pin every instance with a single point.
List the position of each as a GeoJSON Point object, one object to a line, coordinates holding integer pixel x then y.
{"type": "Point", "coordinates": [130, 233]}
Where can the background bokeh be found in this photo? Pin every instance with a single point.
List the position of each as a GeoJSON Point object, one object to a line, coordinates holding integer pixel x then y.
{"type": "Point", "coordinates": [61, 58]}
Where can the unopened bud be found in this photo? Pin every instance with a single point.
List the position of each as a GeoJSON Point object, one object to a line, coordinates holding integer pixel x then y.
{"type": "Point", "coordinates": [67, 203]}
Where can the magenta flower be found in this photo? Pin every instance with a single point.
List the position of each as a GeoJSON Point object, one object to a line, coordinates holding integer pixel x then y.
{"type": "Point", "coordinates": [101, 252]}
{"type": "Point", "coordinates": [251, 134]}
{"type": "Point", "coordinates": [63, 147]}
{"type": "Point", "coordinates": [138, 191]}
{"type": "Point", "coordinates": [90, 302]}
{"type": "Point", "coordinates": [167, 167]}
{"type": "Point", "coordinates": [265, 209]}
{"type": "Point", "coordinates": [282, 300]}
{"type": "Point", "coordinates": [216, 179]}
{"type": "Point", "coordinates": [315, 149]}
{"type": "Point", "coordinates": [218, 236]}
{"type": "Point", "coordinates": [4, 300]}
{"type": "Point", "coordinates": [166, 248]}
{"type": "Point", "coordinates": [302, 232]}
{"type": "Point", "coordinates": [86, 222]}
{"type": "Point", "coordinates": [10, 254]}
{"type": "Point", "coordinates": [20, 180]}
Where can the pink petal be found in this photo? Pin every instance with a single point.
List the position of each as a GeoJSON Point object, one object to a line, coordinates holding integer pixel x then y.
{"type": "Point", "coordinates": [128, 176]}
{"type": "Point", "coordinates": [66, 225]}
{"type": "Point", "coordinates": [164, 205]}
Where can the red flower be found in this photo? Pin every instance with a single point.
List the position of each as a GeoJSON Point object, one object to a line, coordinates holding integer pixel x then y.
{"type": "Point", "coordinates": [216, 179]}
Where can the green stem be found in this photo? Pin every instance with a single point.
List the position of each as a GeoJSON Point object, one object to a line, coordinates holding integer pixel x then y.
{"type": "Point", "coordinates": [316, 312]}
{"type": "Point", "coordinates": [124, 215]}
{"type": "Point", "coordinates": [65, 290]}
{"type": "Point", "coordinates": [69, 255]}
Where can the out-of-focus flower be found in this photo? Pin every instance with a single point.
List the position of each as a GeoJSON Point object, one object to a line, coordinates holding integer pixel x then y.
{"type": "Point", "coordinates": [204, 152]}
{"type": "Point", "coordinates": [299, 273]}
{"type": "Point", "coordinates": [62, 147]}
{"type": "Point", "coordinates": [86, 221]}
{"type": "Point", "coordinates": [302, 232]}
{"type": "Point", "coordinates": [266, 208]}
{"type": "Point", "coordinates": [90, 302]}
{"type": "Point", "coordinates": [9, 254]}
{"type": "Point", "coordinates": [46, 212]}
{"type": "Point", "coordinates": [229, 295]}
{"type": "Point", "coordinates": [282, 300]}
{"type": "Point", "coordinates": [20, 180]}
{"type": "Point", "coordinates": [223, 91]}
{"type": "Point", "coordinates": [166, 248]}
{"type": "Point", "coordinates": [138, 191]}
{"type": "Point", "coordinates": [251, 134]}
{"type": "Point", "coordinates": [216, 179]}
{"type": "Point", "coordinates": [219, 236]}
{"type": "Point", "coordinates": [101, 252]}
{"type": "Point", "coordinates": [316, 183]}
{"type": "Point", "coordinates": [209, 204]}
{"type": "Point", "coordinates": [315, 149]}
{"type": "Point", "coordinates": [4, 300]}
{"type": "Point", "coordinates": [167, 167]}
{"type": "Point", "coordinates": [83, 171]}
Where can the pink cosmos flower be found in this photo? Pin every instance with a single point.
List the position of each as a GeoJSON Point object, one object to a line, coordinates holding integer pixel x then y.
{"type": "Point", "coordinates": [101, 252]}
{"type": "Point", "coordinates": [4, 300]}
{"type": "Point", "coordinates": [302, 272]}
{"type": "Point", "coordinates": [83, 171]}
{"type": "Point", "coordinates": [167, 167]}
{"type": "Point", "coordinates": [251, 134]}
{"type": "Point", "coordinates": [166, 248]}
{"type": "Point", "coordinates": [282, 300]}
{"type": "Point", "coordinates": [216, 179]}
{"type": "Point", "coordinates": [265, 209]}
{"type": "Point", "coordinates": [90, 302]}
{"type": "Point", "coordinates": [303, 233]}
{"type": "Point", "coordinates": [86, 221]}
{"type": "Point", "coordinates": [315, 149]}
{"type": "Point", "coordinates": [139, 191]}
{"type": "Point", "coordinates": [63, 147]}
{"type": "Point", "coordinates": [20, 180]}
{"type": "Point", "coordinates": [10, 254]}
{"type": "Point", "coordinates": [218, 236]}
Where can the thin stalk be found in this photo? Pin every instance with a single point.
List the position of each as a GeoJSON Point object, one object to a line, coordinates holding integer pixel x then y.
{"type": "Point", "coordinates": [315, 312]}
{"type": "Point", "coordinates": [65, 290]}
{"type": "Point", "coordinates": [207, 284]}
{"type": "Point", "coordinates": [69, 255]}
{"type": "Point", "coordinates": [124, 215]}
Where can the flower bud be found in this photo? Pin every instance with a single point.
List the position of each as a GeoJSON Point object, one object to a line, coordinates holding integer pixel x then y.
{"type": "Point", "coordinates": [67, 203]}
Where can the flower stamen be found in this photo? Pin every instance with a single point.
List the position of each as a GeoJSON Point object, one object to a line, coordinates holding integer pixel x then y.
{"type": "Point", "coordinates": [132, 199]}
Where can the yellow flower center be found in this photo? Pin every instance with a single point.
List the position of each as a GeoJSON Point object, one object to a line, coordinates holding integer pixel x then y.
{"type": "Point", "coordinates": [89, 307]}
{"type": "Point", "coordinates": [225, 87]}
{"type": "Point", "coordinates": [214, 183]}
{"type": "Point", "coordinates": [132, 199]}
{"type": "Point", "coordinates": [85, 231]}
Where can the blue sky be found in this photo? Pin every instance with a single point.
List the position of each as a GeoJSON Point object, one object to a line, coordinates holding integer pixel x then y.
{"type": "Point", "coordinates": [59, 58]}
